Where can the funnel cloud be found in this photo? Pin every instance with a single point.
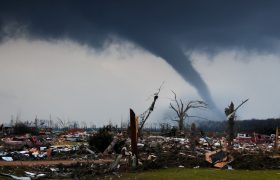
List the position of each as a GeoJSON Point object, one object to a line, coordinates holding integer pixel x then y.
{"type": "Point", "coordinates": [164, 28]}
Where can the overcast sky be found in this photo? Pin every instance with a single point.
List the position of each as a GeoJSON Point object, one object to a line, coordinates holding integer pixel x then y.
{"type": "Point", "coordinates": [93, 60]}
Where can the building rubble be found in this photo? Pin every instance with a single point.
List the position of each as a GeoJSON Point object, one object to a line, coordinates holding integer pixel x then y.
{"type": "Point", "coordinates": [75, 157]}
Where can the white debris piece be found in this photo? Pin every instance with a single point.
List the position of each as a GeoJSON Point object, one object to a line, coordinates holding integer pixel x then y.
{"type": "Point", "coordinates": [140, 145]}
{"type": "Point", "coordinates": [230, 167]}
{"type": "Point", "coordinates": [40, 175]}
{"type": "Point", "coordinates": [7, 158]}
{"type": "Point", "coordinates": [34, 175]}
{"type": "Point", "coordinates": [16, 177]}
{"type": "Point", "coordinates": [30, 174]}
{"type": "Point", "coordinates": [43, 148]}
{"type": "Point", "coordinates": [54, 169]}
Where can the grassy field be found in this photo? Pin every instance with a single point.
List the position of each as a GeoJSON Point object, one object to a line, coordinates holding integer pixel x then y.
{"type": "Point", "coordinates": [200, 174]}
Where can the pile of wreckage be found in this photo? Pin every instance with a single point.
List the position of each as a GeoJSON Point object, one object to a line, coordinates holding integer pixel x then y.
{"type": "Point", "coordinates": [138, 152]}
{"type": "Point", "coordinates": [151, 150]}
{"type": "Point", "coordinates": [39, 153]}
{"type": "Point", "coordinates": [51, 146]}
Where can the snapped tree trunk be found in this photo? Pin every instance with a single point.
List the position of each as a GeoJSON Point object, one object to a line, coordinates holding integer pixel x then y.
{"type": "Point", "coordinates": [133, 135]}
{"type": "Point", "coordinates": [229, 111]}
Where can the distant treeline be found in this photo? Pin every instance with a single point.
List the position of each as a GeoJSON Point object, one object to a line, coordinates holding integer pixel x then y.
{"type": "Point", "coordinates": [267, 126]}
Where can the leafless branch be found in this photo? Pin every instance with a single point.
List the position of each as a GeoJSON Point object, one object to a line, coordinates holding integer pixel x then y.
{"type": "Point", "coordinates": [181, 109]}
{"type": "Point", "coordinates": [177, 112]}
{"type": "Point", "coordinates": [243, 102]}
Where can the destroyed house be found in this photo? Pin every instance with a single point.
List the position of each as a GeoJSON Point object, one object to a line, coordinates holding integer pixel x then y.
{"type": "Point", "coordinates": [261, 138]}
{"type": "Point", "coordinates": [255, 138]}
{"type": "Point", "coordinates": [46, 130]}
{"type": "Point", "coordinates": [243, 138]}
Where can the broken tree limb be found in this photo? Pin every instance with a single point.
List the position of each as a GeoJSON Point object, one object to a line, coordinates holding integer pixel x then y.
{"type": "Point", "coordinates": [111, 146]}
{"type": "Point", "coordinates": [147, 113]}
{"type": "Point", "coordinates": [114, 164]}
{"type": "Point", "coordinates": [90, 151]}
{"type": "Point", "coordinates": [243, 102]}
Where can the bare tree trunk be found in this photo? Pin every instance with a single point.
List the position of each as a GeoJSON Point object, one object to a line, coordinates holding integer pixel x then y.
{"type": "Point", "coordinates": [181, 124]}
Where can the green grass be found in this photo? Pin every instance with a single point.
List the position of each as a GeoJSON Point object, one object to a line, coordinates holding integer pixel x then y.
{"type": "Point", "coordinates": [200, 174]}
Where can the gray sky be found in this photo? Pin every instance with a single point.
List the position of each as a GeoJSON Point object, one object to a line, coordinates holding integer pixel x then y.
{"type": "Point", "coordinates": [76, 82]}
{"type": "Point", "coordinates": [93, 60]}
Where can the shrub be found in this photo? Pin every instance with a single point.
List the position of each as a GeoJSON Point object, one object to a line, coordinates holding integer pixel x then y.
{"type": "Point", "coordinates": [21, 128]}
{"type": "Point", "coordinates": [101, 140]}
{"type": "Point", "coordinates": [119, 145]}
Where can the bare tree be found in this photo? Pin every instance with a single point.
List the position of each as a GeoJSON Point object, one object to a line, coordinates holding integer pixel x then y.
{"type": "Point", "coordinates": [182, 109]}
{"type": "Point", "coordinates": [61, 123]}
{"type": "Point", "coordinates": [36, 120]}
{"type": "Point", "coordinates": [84, 124]}
{"type": "Point", "coordinates": [164, 128]}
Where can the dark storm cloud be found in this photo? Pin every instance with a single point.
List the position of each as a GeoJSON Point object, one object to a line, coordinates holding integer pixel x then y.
{"type": "Point", "coordinates": [162, 27]}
